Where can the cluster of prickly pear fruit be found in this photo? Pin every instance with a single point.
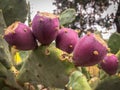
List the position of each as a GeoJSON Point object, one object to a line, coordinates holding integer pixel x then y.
{"type": "Point", "coordinates": [55, 64]}
{"type": "Point", "coordinates": [42, 57]}
{"type": "Point", "coordinates": [45, 28]}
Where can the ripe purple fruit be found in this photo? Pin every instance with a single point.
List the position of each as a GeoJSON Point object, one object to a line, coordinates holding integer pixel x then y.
{"type": "Point", "coordinates": [45, 27]}
{"type": "Point", "coordinates": [66, 39]}
{"type": "Point", "coordinates": [20, 36]}
{"type": "Point", "coordinates": [110, 64]}
{"type": "Point", "coordinates": [89, 50]}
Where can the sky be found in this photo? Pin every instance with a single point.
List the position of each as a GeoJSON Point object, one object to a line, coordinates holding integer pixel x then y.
{"type": "Point", "coordinates": [41, 5]}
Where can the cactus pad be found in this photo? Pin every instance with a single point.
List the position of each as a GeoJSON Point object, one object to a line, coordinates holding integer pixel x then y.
{"type": "Point", "coordinates": [114, 42]}
{"type": "Point", "coordinates": [78, 81]}
{"type": "Point", "coordinates": [110, 83]}
{"type": "Point", "coordinates": [44, 66]}
{"type": "Point", "coordinates": [67, 16]}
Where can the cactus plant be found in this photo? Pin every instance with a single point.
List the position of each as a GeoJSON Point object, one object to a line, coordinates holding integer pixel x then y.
{"type": "Point", "coordinates": [56, 68]}
{"type": "Point", "coordinates": [118, 55]}
{"type": "Point", "coordinates": [45, 27]}
{"type": "Point", "coordinates": [67, 16]}
{"type": "Point", "coordinates": [93, 82]}
{"type": "Point", "coordinates": [20, 36]}
{"type": "Point", "coordinates": [114, 43]}
{"type": "Point", "coordinates": [2, 23]}
{"type": "Point", "coordinates": [78, 81]}
{"type": "Point", "coordinates": [5, 57]}
{"type": "Point", "coordinates": [66, 39]}
{"type": "Point", "coordinates": [13, 10]}
{"type": "Point", "coordinates": [8, 78]}
{"type": "Point", "coordinates": [47, 66]}
{"type": "Point", "coordinates": [109, 83]}
{"type": "Point", "coordinates": [86, 53]}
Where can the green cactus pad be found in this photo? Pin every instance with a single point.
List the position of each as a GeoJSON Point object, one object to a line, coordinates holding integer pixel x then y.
{"type": "Point", "coordinates": [7, 78]}
{"type": "Point", "coordinates": [2, 23]}
{"type": "Point", "coordinates": [110, 83]}
{"type": "Point", "coordinates": [78, 81]}
{"type": "Point", "coordinates": [67, 16]}
{"type": "Point", "coordinates": [5, 57]}
{"type": "Point", "coordinates": [14, 10]}
{"type": "Point", "coordinates": [94, 82]}
{"type": "Point", "coordinates": [114, 42]}
{"type": "Point", "coordinates": [118, 55]}
{"type": "Point", "coordinates": [44, 66]}
{"type": "Point", "coordinates": [6, 88]}
{"type": "Point", "coordinates": [24, 54]}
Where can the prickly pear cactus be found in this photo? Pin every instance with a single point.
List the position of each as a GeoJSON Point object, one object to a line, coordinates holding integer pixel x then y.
{"type": "Point", "coordinates": [13, 10]}
{"type": "Point", "coordinates": [2, 22]}
{"type": "Point", "coordinates": [110, 83]}
{"type": "Point", "coordinates": [7, 79]}
{"type": "Point", "coordinates": [114, 42]}
{"type": "Point", "coordinates": [47, 66]}
{"type": "Point", "coordinates": [78, 81]}
{"type": "Point", "coordinates": [67, 16]}
{"type": "Point", "coordinates": [5, 57]}
{"type": "Point", "coordinates": [93, 82]}
{"type": "Point", "coordinates": [118, 55]}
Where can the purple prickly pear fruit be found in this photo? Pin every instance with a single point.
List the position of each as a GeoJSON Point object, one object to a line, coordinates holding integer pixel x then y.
{"type": "Point", "coordinates": [89, 50]}
{"type": "Point", "coordinates": [45, 27]}
{"type": "Point", "coordinates": [110, 64]}
{"type": "Point", "coordinates": [20, 36]}
{"type": "Point", "coordinates": [66, 39]}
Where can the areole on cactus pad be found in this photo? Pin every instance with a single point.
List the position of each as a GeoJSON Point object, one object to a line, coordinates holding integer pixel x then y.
{"type": "Point", "coordinates": [89, 50]}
